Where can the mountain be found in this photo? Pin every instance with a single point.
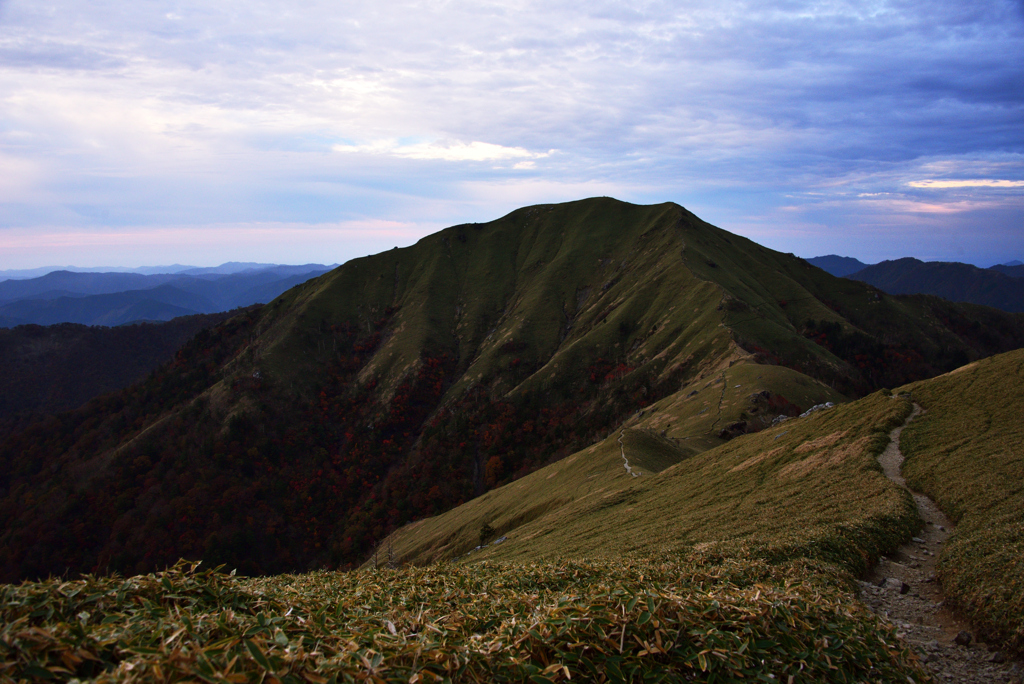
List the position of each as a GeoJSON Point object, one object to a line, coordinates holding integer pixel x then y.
{"type": "Point", "coordinates": [227, 268]}
{"type": "Point", "coordinates": [60, 367]}
{"type": "Point", "coordinates": [695, 569]}
{"type": "Point", "coordinates": [79, 284]}
{"type": "Point", "coordinates": [236, 267]}
{"type": "Point", "coordinates": [250, 287]}
{"type": "Point", "coordinates": [27, 273]}
{"type": "Point", "coordinates": [838, 266]}
{"type": "Point", "coordinates": [1012, 269]}
{"type": "Point", "coordinates": [765, 495]}
{"type": "Point", "coordinates": [953, 281]}
{"type": "Point", "coordinates": [163, 302]}
{"type": "Point", "coordinates": [119, 298]}
{"type": "Point", "coordinates": [401, 385]}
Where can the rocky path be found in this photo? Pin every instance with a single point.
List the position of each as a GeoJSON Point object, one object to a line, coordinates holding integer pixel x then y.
{"type": "Point", "coordinates": [903, 587]}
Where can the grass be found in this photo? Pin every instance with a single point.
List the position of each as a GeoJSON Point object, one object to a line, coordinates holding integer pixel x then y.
{"type": "Point", "coordinates": [628, 620]}
{"type": "Point", "coordinates": [694, 415]}
{"type": "Point", "coordinates": [651, 286]}
{"type": "Point", "coordinates": [809, 488]}
{"type": "Point", "coordinates": [967, 453]}
{"type": "Point", "coordinates": [556, 279]}
{"type": "Point", "coordinates": [724, 565]}
{"type": "Point", "coordinates": [667, 433]}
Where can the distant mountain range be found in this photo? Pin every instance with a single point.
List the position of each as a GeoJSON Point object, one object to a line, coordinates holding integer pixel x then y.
{"type": "Point", "coordinates": [1014, 269]}
{"type": "Point", "coordinates": [224, 269]}
{"type": "Point", "coordinates": [1000, 286]}
{"type": "Point", "coordinates": [116, 298]}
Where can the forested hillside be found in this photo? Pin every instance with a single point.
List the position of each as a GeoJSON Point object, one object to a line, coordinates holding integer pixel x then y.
{"type": "Point", "coordinates": [49, 369]}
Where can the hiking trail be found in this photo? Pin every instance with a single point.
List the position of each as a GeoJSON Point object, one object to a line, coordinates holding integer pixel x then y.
{"type": "Point", "coordinates": [904, 588]}
{"type": "Point", "coordinates": [625, 461]}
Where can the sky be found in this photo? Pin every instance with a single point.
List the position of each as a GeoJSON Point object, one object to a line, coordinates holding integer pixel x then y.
{"type": "Point", "coordinates": [151, 132]}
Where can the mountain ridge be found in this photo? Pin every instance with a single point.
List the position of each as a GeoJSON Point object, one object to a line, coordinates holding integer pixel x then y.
{"type": "Point", "coordinates": [120, 298]}
{"type": "Point", "coordinates": [839, 266]}
{"type": "Point", "coordinates": [402, 384]}
{"type": "Point", "coordinates": [950, 280]}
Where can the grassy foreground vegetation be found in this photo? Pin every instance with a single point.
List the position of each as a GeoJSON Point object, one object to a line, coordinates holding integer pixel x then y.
{"type": "Point", "coordinates": [967, 453]}
{"type": "Point", "coordinates": [729, 565]}
{"type": "Point", "coordinates": [629, 620]}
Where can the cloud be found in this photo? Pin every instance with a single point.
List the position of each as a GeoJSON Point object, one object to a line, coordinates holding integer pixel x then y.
{"type": "Point", "coordinates": [974, 183]}
{"type": "Point", "coordinates": [454, 151]}
{"type": "Point", "coordinates": [199, 114]}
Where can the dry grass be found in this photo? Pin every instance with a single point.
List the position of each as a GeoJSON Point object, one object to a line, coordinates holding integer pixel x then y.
{"type": "Point", "coordinates": [757, 496]}
{"type": "Point", "coordinates": [628, 620]}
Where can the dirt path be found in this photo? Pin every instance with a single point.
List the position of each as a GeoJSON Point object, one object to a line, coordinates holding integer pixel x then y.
{"type": "Point", "coordinates": [903, 587]}
{"type": "Point", "coordinates": [625, 461]}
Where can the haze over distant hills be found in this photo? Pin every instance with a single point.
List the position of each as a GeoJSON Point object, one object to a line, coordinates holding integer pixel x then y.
{"type": "Point", "coordinates": [48, 369]}
{"type": "Point", "coordinates": [116, 298]}
{"type": "Point", "coordinates": [1014, 269]}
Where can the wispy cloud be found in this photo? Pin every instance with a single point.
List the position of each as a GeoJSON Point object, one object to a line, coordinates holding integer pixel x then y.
{"type": "Point", "coordinates": [454, 151]}
{"type": "Point", "coordinates": [973, 183]}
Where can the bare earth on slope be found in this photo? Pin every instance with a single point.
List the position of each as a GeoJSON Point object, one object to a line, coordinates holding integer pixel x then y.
{"type": "Point", "coordinates": [903, 588]}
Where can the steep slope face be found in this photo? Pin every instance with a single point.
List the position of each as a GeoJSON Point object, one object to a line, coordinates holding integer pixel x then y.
{"type": "Point", "coordinates": [400, 385]}
{"type": "Point", "coordinates": [852, 336]}
{"type": "Point", "coordinates": [550, 286]}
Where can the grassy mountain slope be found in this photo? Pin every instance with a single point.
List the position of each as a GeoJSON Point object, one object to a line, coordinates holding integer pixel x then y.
{"type": "Point", "coordinates": [548, 495]}
{"type": "Point", "coordinates": [403, 384]}
{"type": "Point", "coordinates": [967, 453]}
{"type": "Point", "coordinates": [807, 488]}
{"type": "Point", "coordinates": [553, 285]}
